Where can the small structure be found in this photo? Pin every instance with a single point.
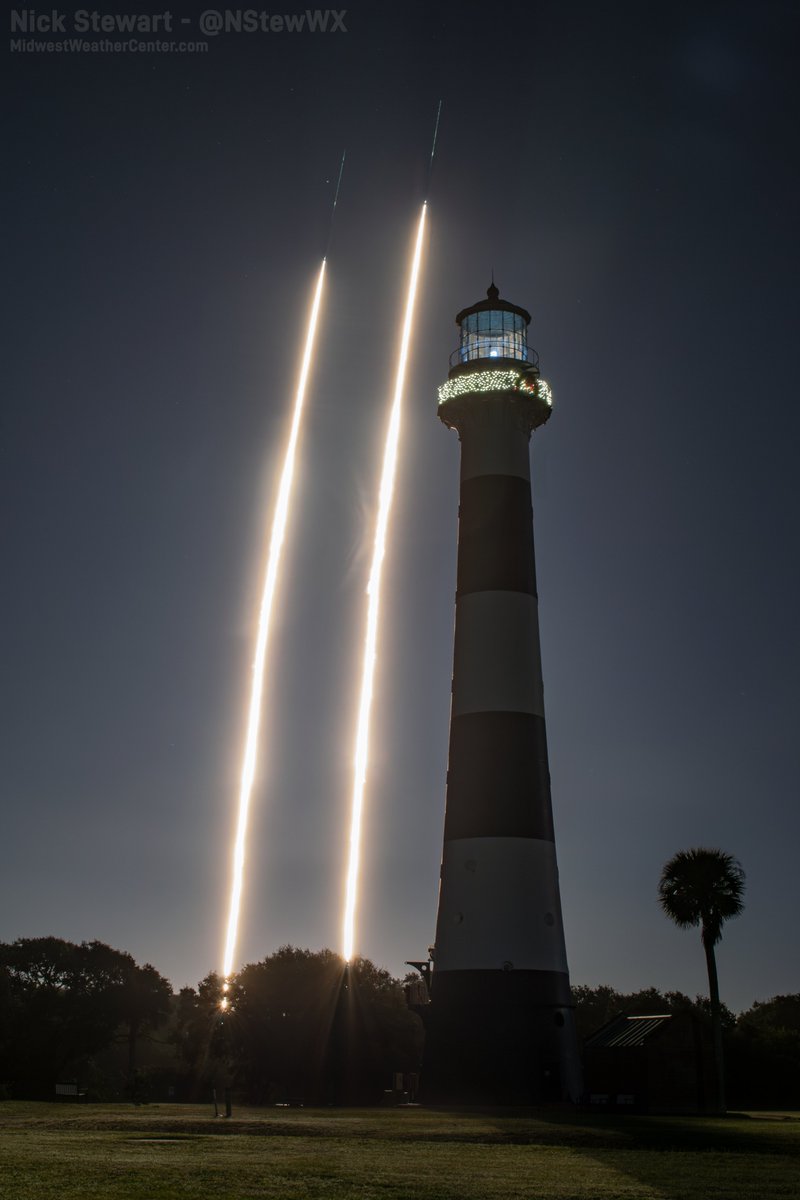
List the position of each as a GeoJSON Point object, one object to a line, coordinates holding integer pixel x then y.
{"type": "Point", "coordinates": [658, 1063]}
{"type": "Point", "coordinates": [71, 1090]}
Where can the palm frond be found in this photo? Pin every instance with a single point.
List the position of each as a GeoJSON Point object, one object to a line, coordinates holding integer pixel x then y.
{"type": "Point", "coordinates": [702, 887]}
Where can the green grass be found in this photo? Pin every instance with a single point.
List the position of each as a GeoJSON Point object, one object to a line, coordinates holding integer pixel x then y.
{"type": "Point", "coordinates": [161, 1152]}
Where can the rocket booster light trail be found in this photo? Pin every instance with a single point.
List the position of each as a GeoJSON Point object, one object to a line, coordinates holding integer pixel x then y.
{"type": "Point", "coordinates": [373, 594]}
{"type": "Point", "coordinates": [273, 561]}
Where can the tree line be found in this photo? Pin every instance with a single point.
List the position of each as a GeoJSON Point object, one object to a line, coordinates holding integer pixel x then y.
{"type": "Point", "coordinates": [299, 1027]}
{"type": "Point", "coordinates": [761, 1045]}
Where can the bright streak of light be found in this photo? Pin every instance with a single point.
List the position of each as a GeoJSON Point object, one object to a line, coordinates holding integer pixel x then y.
{"type": "Point", "coordinates": [373, 594]}
{"type": "Point", "coordinates": [254, 716]}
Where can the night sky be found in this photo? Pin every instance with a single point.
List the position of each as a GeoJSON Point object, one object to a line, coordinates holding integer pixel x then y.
{"type": "Point", "coordinates": [630, 173]}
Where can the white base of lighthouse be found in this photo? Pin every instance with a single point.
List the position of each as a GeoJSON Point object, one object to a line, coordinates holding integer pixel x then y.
{"type": "Point", "coordinates": [497, 907]}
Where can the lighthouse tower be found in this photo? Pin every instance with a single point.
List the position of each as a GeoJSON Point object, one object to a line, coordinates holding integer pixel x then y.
{"type": "Point", "coordinates": [499, 1026]}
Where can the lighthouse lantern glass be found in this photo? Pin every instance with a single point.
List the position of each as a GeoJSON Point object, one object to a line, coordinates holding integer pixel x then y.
{"type": "Point", "coordinates": [493, 334]}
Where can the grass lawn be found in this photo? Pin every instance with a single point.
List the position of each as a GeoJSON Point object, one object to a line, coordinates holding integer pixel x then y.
{"type": "Point", "coordinates": [67, 1152]}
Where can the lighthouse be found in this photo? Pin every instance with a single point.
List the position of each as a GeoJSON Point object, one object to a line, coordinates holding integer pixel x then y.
{"type": "Point", "coordinates": [499, 1025]}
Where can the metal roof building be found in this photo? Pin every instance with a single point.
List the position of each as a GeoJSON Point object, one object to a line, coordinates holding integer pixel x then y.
{"type": "Point", "coordinates": [627, 1031]}
{"type": "Point", "coordinates": [660, 1062]}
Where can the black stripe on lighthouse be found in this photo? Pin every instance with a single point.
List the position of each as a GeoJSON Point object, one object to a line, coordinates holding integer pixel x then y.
{"type": "Point", "coordinates": [495, 536]}
{"type": "Point", "coordinates": [498, 784]}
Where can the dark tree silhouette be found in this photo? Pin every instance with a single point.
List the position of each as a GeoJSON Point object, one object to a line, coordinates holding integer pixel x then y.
{"type": "Point", "coordinates": [298, 1016]}
{"type": "Point", "coordinates": [282, 1010]}
{"type": "Point", "coordinates": [199, 1035]}
{"type": "Point", "coordinates": [63, 1006]}
{"type": "Point", "coordinates": [145, 999]}
{"type": "Point", "coordinates": [781, 1012]}
{"type": "Point", "coordinates": [706, 888]}
{"type": "Point", "coordinates": [763, 1054]}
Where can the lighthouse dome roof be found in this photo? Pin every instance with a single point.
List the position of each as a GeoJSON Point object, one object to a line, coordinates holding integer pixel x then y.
{"type": "Point", "coordinates": [493, 303]}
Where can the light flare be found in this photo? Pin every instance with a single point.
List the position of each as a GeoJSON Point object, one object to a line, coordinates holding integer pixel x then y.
{"type": "Point", "coordinates": [267, 598]}
{"type": "Point", "coordinates": [373, 606]}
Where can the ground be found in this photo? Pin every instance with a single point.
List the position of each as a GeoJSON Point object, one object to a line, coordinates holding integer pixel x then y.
{"type": "Point", "coordinates": [157, 1152]}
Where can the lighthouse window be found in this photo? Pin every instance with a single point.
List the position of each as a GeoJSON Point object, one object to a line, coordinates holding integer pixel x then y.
{"type": "Point", "coordinates": [493, 333]}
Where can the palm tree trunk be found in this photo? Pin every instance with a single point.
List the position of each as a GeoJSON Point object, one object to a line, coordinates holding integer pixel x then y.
{"type": "Point", "coordinates": [716, 1025]}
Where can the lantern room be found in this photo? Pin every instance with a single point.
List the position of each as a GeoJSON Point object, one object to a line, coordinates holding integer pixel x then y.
{"type": "Point", "coordinates": [492, 330]}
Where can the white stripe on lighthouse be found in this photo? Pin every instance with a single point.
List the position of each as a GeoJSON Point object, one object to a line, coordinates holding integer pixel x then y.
{"type": "Point", "coordinates": [500, 446]}
{"type": "Point", "coordinates": [497, 660]}
{"type": "Point", "coordinates": [499, 906]}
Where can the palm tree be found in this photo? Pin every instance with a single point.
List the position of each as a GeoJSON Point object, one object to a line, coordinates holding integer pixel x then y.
{"type": "Point", "coordinates": [706, 888]}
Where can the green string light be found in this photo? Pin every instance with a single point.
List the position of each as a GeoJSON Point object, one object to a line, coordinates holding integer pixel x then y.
{"type": "Point", "coordinates": [496, 381]}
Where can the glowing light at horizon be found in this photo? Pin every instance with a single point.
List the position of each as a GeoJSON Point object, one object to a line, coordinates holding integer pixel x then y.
{"type": "Point", "coordinates": [373, 607]}
{"type": "Point", "coordinates": [278, 533]}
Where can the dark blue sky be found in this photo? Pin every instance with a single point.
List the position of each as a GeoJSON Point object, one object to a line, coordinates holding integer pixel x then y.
{"type": "Point", "coordinates": [630, 172]}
